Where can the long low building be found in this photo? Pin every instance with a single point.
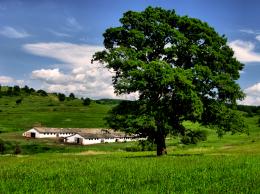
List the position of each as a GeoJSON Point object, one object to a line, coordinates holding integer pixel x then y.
{"type": "Point", "coordinates": [84, 136]}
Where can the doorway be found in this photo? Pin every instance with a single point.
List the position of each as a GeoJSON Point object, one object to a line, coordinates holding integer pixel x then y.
{"type": "Point", "coordinates": [33, 135]}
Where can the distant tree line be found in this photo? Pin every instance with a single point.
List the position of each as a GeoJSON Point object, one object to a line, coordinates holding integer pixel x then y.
{"type": "Point", "coordinates": [249, 109]}
{"type": "Point", "coordinates": [26, 91]}
{"type": "Point", "coordinates": [16, 91]}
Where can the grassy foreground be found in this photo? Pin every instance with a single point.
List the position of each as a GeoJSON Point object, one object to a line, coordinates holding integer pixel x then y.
{"type": "Point", "coordinates": [129, 173]}
{"type": "Point", "coordinates": [227, 165]}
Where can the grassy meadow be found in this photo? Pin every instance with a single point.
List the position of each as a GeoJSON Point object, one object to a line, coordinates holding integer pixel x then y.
{"type": "Point", "coordinates": [49, 111]}
{"type": "Point", "coordinates": [227, 165]}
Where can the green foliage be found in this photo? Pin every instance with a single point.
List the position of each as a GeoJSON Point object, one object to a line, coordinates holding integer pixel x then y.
{"type": "Point", "coordinates": [2, 146]}
{"type": "Point", "coordinates": [249, 109]}
{"type": "Point", "coordinates": [193, 137]}
{"type": "Point", "coordinates": [61, 97]}
{"type": "Point", "coordinates": [86, 101]}
{"type": "Point", "coordinates": [17, 149]}
{"type": "Point", "coordinates": [142, 145]}
{"type": "Point", "coordinates": [42, 93]}
{"type": "Point", "coordinates": [19, 101]}
{"type": "Point", "coordinates": [72, 96]}
{"type": "Point", "coordinates": [181, 68]}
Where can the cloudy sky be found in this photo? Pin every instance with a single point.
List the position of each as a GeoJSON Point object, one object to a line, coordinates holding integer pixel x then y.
{"type": "Point", "coordinates": [48, 44]}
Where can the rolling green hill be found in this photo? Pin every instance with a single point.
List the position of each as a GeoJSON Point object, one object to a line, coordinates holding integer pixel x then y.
{"type": "Point", "coordinates": [229, 164]}
{"type": "Point", "coordinates": [48, 111]}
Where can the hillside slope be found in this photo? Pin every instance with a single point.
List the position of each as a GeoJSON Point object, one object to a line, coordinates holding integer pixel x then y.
{"type": "Point", "coordinates": [50, 112]}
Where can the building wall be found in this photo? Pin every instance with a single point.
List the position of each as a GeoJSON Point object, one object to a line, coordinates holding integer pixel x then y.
{"type": "Point", "coordinates": [45, 134]}
{"type": "Point", "coordinates": [72, 139]}
{"type": "Point", "coordinates": [28, 133]}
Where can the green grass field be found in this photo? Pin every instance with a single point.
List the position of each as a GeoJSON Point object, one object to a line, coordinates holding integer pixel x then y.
{"type": "Point", "coordinates": [227, 165]}
{"type": "Point", "coordinates": [48, 111]}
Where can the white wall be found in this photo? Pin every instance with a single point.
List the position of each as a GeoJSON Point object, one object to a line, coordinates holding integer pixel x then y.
{"type": "Point", "coordinates": [45, 134]}
{"type": "Point", "coordinates": [28, 133]}
{"type": "Point", "coordinates": [91, 141]}
{"type": "Point", "coordinates": [73, 138]}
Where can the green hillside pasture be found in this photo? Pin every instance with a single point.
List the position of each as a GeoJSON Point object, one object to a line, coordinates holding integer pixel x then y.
{"type": "Point", "coordinates": [129, 173]}
{"type": "Point", "coordinates": [49, 112]}
{"type": "Point", "coordinates": [229, 144]}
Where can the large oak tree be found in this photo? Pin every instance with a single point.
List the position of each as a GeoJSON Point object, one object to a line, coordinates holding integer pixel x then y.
{"type": "Point", "coordinates": [181, 68]}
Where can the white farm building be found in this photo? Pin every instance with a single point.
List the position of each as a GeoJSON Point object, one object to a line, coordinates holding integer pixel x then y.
{"type": "Point", "coordinates": [84, 136]}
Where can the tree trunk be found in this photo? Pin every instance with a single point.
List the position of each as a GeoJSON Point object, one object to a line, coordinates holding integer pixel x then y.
{"type": "Point", "coordinates": [161, 146]}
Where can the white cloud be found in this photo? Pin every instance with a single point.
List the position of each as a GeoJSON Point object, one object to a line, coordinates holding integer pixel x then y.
{"type": "Point", "coordinates": [6, 80]}
{"type": "Point", "coordinates": [73, 24]}
{"type": "Point", "coordinates": [257, 37]}
{"type": "Point", "coordinates": [59, 34]}
{"type": "Point", "coordinates": [253, 90]}
{"type": "Point", "coordinates": [74, 54]}
{"type": "Point", "coordinates": [81, 77]}
{"type": "Point", "coordinates": [244, 51]}
{"type": "Point", "coordinates": [51, 76]}
{"type": "Point", "coordinates": [252, 95]}
{"type": "Point", "coordinates": [248, 31]}
{"type": "Point", "coordinates": [11, 32]}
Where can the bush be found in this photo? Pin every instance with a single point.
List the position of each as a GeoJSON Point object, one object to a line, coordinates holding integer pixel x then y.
{"type": "Point", "coordinates": [42, 93]}
{"type": "Point", "coordinates": [17, 149]}
{"type": "Point", "coordinates": [143, 145]}
{"type": "Point", "coordinates": [193, 137]}
{"type": "Point", "coordinates": [61, 97]}
{"type": "Point", "coordinates": [2, 146]}
{"type": "Point", "coordinates": [86, 101]}
{"type": "Point", "coordinates": [72, 96]}
{"type": "Point", "coordinates": [19, 101]}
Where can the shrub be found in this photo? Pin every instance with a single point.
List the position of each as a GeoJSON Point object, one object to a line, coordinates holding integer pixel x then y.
{"type": "Point", "coordinates": [42, 93]}
{"type": "Point", "coordinates": [19, 101]}
{"type": "Point", "coordinates": [2, 146]}
{"type": "Point", "coordinates": [143, 145]}
{"type": "Point", "coordinates": [72, 96]}
{"type": "Point", "coordinates": [86, 101]}
{"type": "Point", "coordinates": [193, 137]}
{"type": "Point", "coordinates": [17, 149]}
{"type": "Point", "coordinates": [61, 97]}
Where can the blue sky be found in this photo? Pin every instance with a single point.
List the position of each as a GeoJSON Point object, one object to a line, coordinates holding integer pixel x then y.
{"type": "Point", "coordinates": [49, 44]}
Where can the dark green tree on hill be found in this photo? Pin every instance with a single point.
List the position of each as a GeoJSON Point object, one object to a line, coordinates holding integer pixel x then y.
{"type": "Point", "coordinates": [41, 92]}
{"type": "Point", "coordinates": [181, 68]}
{"type": "Point", "coordinates": [72, 96]}
{"type": "Point", "coordinates": [26, 89]}
{"type": "Point", "coordinates": [16, 90]}
{"type": "Point", "coordinates": [61, 97]}
{"type": "Point", "coordinates": [86, 101]}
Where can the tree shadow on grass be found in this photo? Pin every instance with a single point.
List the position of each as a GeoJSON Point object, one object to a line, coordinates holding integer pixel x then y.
{"type": "Point", "coordinates": [168, 155]}
{"type": "Point", "coordinates": [185, 155]}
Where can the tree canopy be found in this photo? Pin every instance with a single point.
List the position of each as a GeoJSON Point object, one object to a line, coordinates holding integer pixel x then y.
{"type": "Point", "coordinates": [181, 68]}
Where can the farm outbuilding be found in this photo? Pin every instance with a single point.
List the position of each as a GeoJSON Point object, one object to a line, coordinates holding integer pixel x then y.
{"type": "Point", "coordinates": [44, 132]}
{"type": "Point", "coordinates": [89, 138]}
{"type": "Point", "coordinates": [83, 136]}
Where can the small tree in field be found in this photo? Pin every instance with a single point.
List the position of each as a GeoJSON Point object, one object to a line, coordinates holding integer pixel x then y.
{"type": "Point", "coordinates": [72, 96]}
{"type": "Point", "coordinates": [61, 97]}
{"type": "Point", "coordinates": [181, 68]}
{"type": "Point", "coordinates": [86, 101]}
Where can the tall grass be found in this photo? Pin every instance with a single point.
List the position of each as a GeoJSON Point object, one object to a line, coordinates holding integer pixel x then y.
{"type": "Point", "coordinates": [129, 173]}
